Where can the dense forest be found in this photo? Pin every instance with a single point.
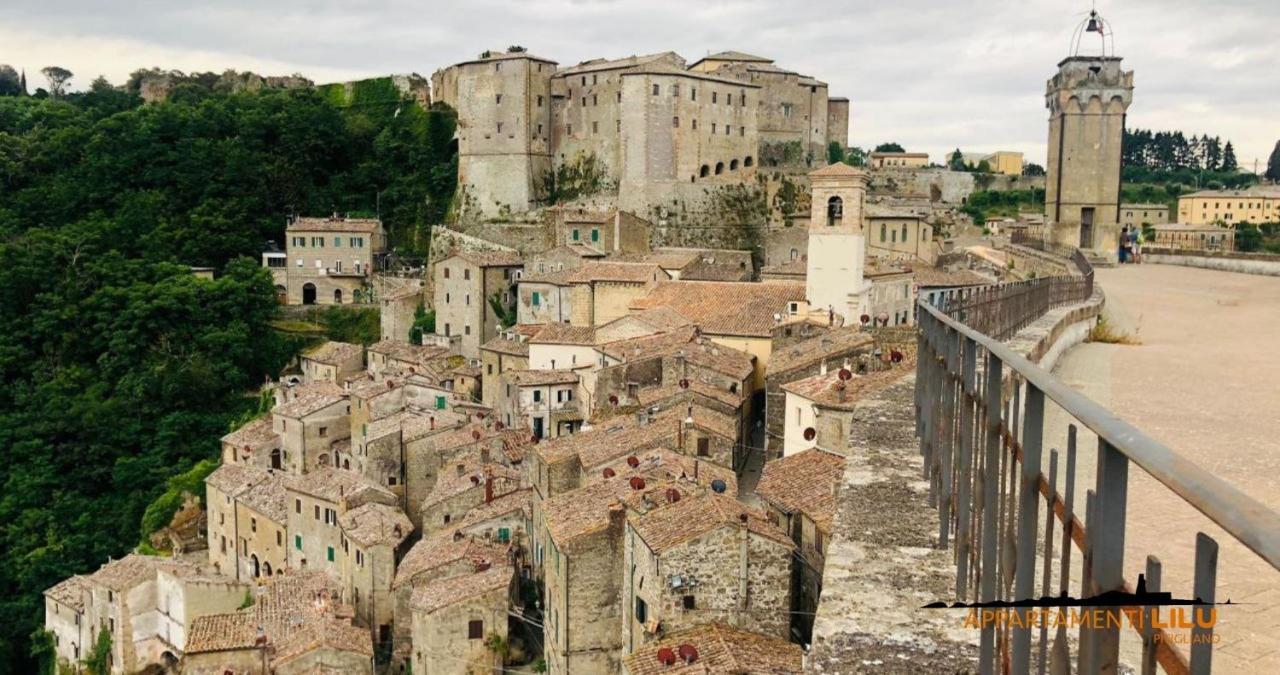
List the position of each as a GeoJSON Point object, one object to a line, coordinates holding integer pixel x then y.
{"type": "Point", "coordinates": [1171, 157]}
{"type": "Point", "coordinates": [120, 369]}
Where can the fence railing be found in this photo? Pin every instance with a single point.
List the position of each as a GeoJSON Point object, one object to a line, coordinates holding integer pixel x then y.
{"type": "Point", "coordinates": [981, 419]}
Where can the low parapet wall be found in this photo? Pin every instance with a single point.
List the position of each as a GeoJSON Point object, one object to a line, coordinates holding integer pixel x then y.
{"type": "Point", "coordinates": [1244, 263]}
{"type": "Point", "coordinates": [883, 563]}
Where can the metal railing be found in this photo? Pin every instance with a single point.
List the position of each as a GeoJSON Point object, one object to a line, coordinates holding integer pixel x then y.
{"type": "Point", "coordinates": [981, 419]}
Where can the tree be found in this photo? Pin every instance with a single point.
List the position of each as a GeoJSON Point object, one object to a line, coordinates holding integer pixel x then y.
{"type": "Point", "coordinates": [506, 313]}
{"type": "Point", "coordinates": [1229, 158]}
{"type": "Point", "coordinates": [424, 323]}
{"type": "Point", "coordinates": [1273, 164]}
{"type": "Point", "coordinates": [983, 167]}
{"type": "Point", "coordinates": [1248, 238]}
{"type": "Point", "coordinates": [956, 161]}
{"type": "Point", "coordinates": [57, 77]}
{"type": "Point", "coordinates": [10, 81]}
{"type": "Point", "coordinates": [889, 147]}
{"type": "Point", "coordinates": [1032, 169]}
{"type": "Point", "coordinates": [835, 152]}
{"type": "Point", "coordinates": [855, 156]}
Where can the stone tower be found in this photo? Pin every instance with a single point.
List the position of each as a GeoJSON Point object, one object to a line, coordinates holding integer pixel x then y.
{"type": "Point", "coordinates": [1087, 101]}
{"type": "Point", "coordinates": [503, 101]}
{"type": "Point", "coordinates": [837, 243]}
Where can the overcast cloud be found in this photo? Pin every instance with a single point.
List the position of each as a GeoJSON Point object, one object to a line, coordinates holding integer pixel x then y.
{"type": "Point", "coordinates": [930, 74]}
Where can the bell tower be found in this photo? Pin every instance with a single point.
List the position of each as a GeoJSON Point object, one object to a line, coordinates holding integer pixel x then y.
{"type": "Point", "coordinates": [837, 244]}
{"type": "Point", "coordinates": [1087, 99]}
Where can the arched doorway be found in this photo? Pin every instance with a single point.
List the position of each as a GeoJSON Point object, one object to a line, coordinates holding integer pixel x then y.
{"type": "Point", "coordinates": [704, 171]}
{"type": "Point", "coordinates": [733, 165]}
{"type": "Point", "coordinates": [282, 294]}
{"type": "Point", "coordinates": [719, 168]}
{"type": "Point", "coordinates": [337, 296]}
{"type": "Point", "coordinates": [266, 569]}
{"type": "Point", "coordinates": [275, 459]}
{"type": "Point", "coordinates": [308, 294]}
{"type": "Point", "coordinates": [253, 565]}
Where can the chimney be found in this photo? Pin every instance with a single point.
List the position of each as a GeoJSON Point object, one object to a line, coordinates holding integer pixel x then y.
{"type": "Point", "coordinates": [617, 515]}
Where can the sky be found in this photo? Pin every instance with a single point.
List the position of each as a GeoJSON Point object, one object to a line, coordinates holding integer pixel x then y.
{"type": "Point", "coordinates": [932, 75]}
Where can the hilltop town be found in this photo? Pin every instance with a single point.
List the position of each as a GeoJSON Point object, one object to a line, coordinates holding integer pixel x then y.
{"type": "Point", "coordinates": [608, 420]}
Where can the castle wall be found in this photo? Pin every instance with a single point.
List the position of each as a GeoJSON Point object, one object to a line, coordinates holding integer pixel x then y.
{"type": "Point", "coordinates": [838, 121]}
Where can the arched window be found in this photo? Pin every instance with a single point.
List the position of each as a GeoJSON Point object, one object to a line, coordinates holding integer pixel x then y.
{"type": "Point", "coordinates": [795, 254]}
{"type": "Point", "coordinates": [719, 168]}
{"type": "Point", "coordinates": [748, 161]}
{"type": "Point", "coordinates": [275, 459]}
{"type": "Point", "coordinates": [704, 171]}
{"type": "Point", "coordinates": [337, 296]}
{"type": "Point", "coordinates": [733, 165]}
{"type": "Point", "coordinates": [835, 211]}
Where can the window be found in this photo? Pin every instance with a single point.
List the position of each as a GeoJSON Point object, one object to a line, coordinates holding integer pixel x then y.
{"type": "Point", "coordinates": [595, 128]}
{"type": "Point", "coordinates": [642, 611]}
{"type": "Point", "coordinates": [619, 97]}
{"type": "Point", "coordinates": [337, 242]}
{"type": "Point", "coordinates": [575, 234]}
{"type": "Point", "coordinates": [498, 99]}
{"type": "Point", "coordinates": [786, 110]}
{"type": "Point", "coordinates": [446, 272]}
{"type": "Point", "coordinates": [714, 95]}
{"type": "Point", "coordinates": [297, 506]}
{"type": "Point", "coordinates": [742, 131]}
{"type": "Point", "coordinates": [595, 234]}
{"type": "Point", "coordinates": [466, 274]}
{"type": "Point", "coordinates": [490, 368]}
{"type": "Point", "coordinates": [584, 101]}
{"type": "Point", "coordinates": [655, 90]}
{"type": "Point", "coordinates": [317, 512]}
{"type": "Point", "coordinates": [297, 541]}
{"type": "Point", "coordinates": [539, 100]}
{"type": "Point", "coordinates": [475, 629]}
{"type": "Point", "coordinates": [693, 93]}
{"type": "Point", "coordinates": [568, 129]}
{"type": "Point", "coordinates": [595, 100]}
{"type": "Point", "coordinates": [253, 524]}
{"type": "Point", "coordinates": [689, 602]}
{"type": "Point", "coordinates": [713, 128]}
{"type": "Point", "coordinates": [279, 538]}
{"type": "Point", "coordinates": [537, 395]}
{"type": "Point", "coordinates": [704, 447]}
{"type": "Point", "coordinates": [440, 402]}
{"type": "Point", "coordinates": [324, 431]}
{"type": "Point", "coordinates": [694, 126]}
{"type": "Point", "coordinates": [466, 330]}
{"type": "Point", "coordinates": [537, 299]}
{"type": "Point", "coordinates": [499, 127]}
{"type": "Point", "coordinates": [595, 79]}
{"type": "Point", "coordinates": [329, 554]}
{"type": "Point", "coordinates": [675, 121]}
{"type": "Point", "coordinates": [883, 232]}
{"type": "Point", "coordinates": [504, 534]}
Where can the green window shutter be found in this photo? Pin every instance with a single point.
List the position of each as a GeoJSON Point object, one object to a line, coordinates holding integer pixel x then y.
{"type": "Point", "coordinates": [576, 236]}
{"type": "Point", "coordinates": [595, 235]}
{"type": "Point", "coordinates": [337, 242]}
{"type": "Point", "coordinates": [330, 554]}
{"type": "Point", "coordinates": [504, 534]}
{"type": "Point", "coordinates": [440, 403]}
{"type": "Point", "coordinates": [537, 299]}
{"type": "Point", "coordinates": [297, 541]}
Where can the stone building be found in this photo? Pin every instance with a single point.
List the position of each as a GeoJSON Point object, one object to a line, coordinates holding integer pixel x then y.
{"type": "Point", "coordinates": [503, 100]}
{"type": "Point", "coordinates": [146, 604]}
{"type": "Point", "coordinates": [715, 648]}
{"type": "Point", "coordinates": [470, 482]}
{"type": "Point", "coordinates": [546, 402]}
{"type": "Point", "coordinates": [397, 309]}
{"type": "Point", "coordinates": [819, 409]}
{"type": "Point", "coordinates": [466, 285]}
{"type": "Point", "coordinates": [371, 537]}
{"type": "Point", "coordinates": [333, 362]}
{"type": "Point", "coordinates": [507, 352]}
{"type": "Point", "coordinates": [1137, 215]}
{"type": "Point", "coordinates": [308, 420]}
{"type": "Point", "coordinates": [808, 351]}
{"type": "Point", "coordinates": [315, 502]}
{"type": "Point", "coordinates": [330, 261]}
{"type": "Point", "coordinates": [702, 558]}
{"type": "Point", "coordinates": [457, 620]}
{"type": "Point", "coordinates": [799, 492]}
{"type": "Point", "coordinates": [893, 295]}
{"type": "Point", "coordinates": [254, 444]}
{"type": "Point", "coordinates": [899, 234]}
{"type": "Point", "coordinates": [296, 625]}
{"type": "Point", "coordinates": [247, 521]}
{"type": "Point", "coordinates": [1088, 99]}
{"type": "Point", "coordinates": [838, 121]}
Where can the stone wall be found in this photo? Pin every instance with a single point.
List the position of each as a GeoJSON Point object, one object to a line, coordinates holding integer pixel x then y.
{"type": "Point", "coordinates": [1244, 263]}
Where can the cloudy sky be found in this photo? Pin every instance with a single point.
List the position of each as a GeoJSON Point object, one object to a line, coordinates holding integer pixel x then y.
{"type": "Point", "coordinates": [930, 74]}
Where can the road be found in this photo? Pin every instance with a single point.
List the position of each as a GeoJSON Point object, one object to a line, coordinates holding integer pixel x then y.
{"type": "Point", "coordinates": [1205, 381]}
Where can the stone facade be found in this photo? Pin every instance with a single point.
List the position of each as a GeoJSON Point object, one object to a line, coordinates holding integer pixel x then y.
{"type": "Point", "coordinates": [838, 121]}
{"type": "Point", "coordinates": [1087, 100]}
{"type": "Point", "coordinates": [464, 284]}
{"type": "Point", "coordinates": [330, 261]}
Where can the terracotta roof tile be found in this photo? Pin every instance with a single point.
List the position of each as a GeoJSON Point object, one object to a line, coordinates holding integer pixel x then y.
{"type": "Point", "coordinates": [534, 378]}
{"type": "Point", "coordinates": [721, 649]}
{"type": "Point", "coordinates": [450, 482]}
{"type": "Point", "coordinates": [334, 353]}
{"type": "Point", "coordinates": [565, 334]}
{"type": "Point", "coordinates": [332, 484]}
{"type": "Point", "coordinates": [441, 593]}
{"type": "Point", "coordinates": [376, 524]}
{"type": "Point", "coordinates": [826, 389]}
{"type": "Point", "coordinates": [403, 351]}
{"type": "Point", "coordinates": [726, 307]}
{"type": "Point", "coordinates": [673, 524]}
{"type": "Point", "coordinates": [268, 497]}
{"type": "Point", "coordinates": [305, 399]}
{"type": "Point", "coordinates": [805, 482]}
{"type": "Point", "coordinates": [70, 592]}
{"type": "Point", "coordinates": [619, 272]}
{"type": "Point", "coordinates": [835, 343]}
{"type": "Point", "coordinates": [367, 225]}
{"type": "Point", "coordinates": [256, 434]}
{"type": "Point", "coordinates": [669, 465]}
{"type": "Point", "coordinates": [443, 548]}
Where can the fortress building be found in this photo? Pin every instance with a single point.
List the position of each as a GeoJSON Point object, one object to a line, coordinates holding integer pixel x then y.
{"type": "Point", "coordinates": [1087, 100]}
{"type": "Point", "coordinates": [646, 131]}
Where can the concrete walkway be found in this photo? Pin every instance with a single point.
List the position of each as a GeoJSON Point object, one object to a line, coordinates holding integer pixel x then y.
{"type": "Point", "coordinates": [1205, 382]}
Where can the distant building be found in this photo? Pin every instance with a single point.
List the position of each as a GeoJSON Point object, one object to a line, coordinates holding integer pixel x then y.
{"type": "Point", "coordinates": [1187, 237]}
{"type": "Point", "coordinates": [332, 362]}
{"type": "Point", "coordinates": [1137, 215]}
{"type": "Point", "coordinates": [328, 261]}
{"type": "Point", "coordinates": [466, 286]}
{"type": "Point", "coordinates": [1258, 204]}
{"type": "Point", "coordinates": [899, 160]}
{"type": "Point", "coordinates": [1005, 162]}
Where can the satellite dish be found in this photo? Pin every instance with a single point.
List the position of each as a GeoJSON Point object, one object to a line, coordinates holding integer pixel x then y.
{"type": "Point", "coordinates": [865, 319]}
{"type": "Point", "coordinates": [810, 434]}
{"type": "Point", "coordinates": [684, 384]}
{"type": "Point", "coordinates": [718, 486]}
{"type": "Point", "coordinates": [845, 374]}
